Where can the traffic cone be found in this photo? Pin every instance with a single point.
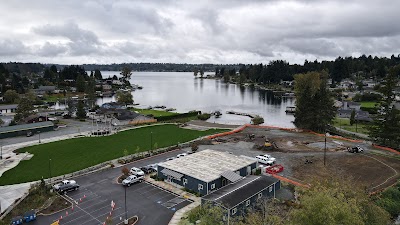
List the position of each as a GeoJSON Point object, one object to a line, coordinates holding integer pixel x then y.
{"type": "Point", "coordinates": [80, 199]}
{"type": "Point", "coordinates": [110, 213]}
{"type": "Point", "coordinates": [84, 196]}
{"type": "Point", "coordinates": [61, 217]}
{"type": "Point", "coordinates": [66, 213]}
{"type": "Point", "coordinates": [72, 207]}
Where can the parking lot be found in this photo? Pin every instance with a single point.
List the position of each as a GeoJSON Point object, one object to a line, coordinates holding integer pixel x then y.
{"type": "Point", "coordinates": [150, 203]}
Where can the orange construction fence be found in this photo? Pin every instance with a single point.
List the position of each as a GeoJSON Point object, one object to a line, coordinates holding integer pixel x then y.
{"type": "Point", "coordinates": [386, 149]}
{"type": "Point", "coordinates": [290, 181]}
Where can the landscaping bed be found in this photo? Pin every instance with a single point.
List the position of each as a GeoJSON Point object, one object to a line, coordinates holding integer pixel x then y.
{"type": "Point", "coordinates": [131, 221]}
{"type": "Point", "coordinates": [58, 204]}
{"type": "Point", "coordinates": [71, 155]}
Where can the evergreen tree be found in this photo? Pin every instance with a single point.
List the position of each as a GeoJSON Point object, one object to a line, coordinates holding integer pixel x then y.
{"type": "Point", "coordinates": [80, 111]}
{"type": "Point", "coordinates": [80, 83]}
{"type": "Point", "coordinates": [97, 74]}
{"type": "Point", "coordinates": [91, 92]}
{"type": "Point", "coordinates": [385, 128]}
{"type": "Point", "coordinates": [314, 104]}
{"type": "Point", "coordinates": [352, 117]}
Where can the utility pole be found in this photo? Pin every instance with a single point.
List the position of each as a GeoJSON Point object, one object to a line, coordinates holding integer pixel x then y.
{"type": "Point", "coordinates": [1, 148]}
{"type": "Point", "coordinates": [50, 169]}
{"type": "Point", "coordinates": [151, 140]}
{"type": "Point", "coordinates": [325, 149]}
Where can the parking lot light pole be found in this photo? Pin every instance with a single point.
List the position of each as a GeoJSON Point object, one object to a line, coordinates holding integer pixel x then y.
{"type": "Point", "coordinates": [126, 212]}
{"type": "Point", "coordinates": [1, 149]}
{"type": "Point", "coordinates": [39, 135]}
{"type": "Point", "coordinates": [151, 140]}
{"type": "Point", "coordinates": [50, 168]}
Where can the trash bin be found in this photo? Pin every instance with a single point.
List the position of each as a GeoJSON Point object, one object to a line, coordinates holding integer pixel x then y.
{"type": "Point", "coordinates": [16, 220]}
{"type": "Point", "coordinates": [30, 216]}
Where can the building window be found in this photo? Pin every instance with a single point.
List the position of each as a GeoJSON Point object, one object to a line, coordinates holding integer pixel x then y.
{"type": "Point", "coordinates": [212, 186]}
{"type": "Point", "coordinates": [260, 195]}
{"type": "Point", "coordinates": [248, 202]}
{"type": "Point", "coordinates": [185, 181]}
{"type": "Point", "coordinates": [234, 211]}
{"type": "Point", "coordinates": [200, 187]}
{"type": "Point", "coordinates": [270, 189]}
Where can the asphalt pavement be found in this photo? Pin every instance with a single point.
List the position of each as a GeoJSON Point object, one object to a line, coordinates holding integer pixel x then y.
{"type": "Point", "coordinates": [92, 205]}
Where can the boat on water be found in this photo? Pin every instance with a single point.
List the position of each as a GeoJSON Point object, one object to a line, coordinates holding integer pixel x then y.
{"type": "Point", "coordinates": [290, 109]}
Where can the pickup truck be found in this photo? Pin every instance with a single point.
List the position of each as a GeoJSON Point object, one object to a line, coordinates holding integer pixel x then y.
{"type": "Point", "coordinates": [131, 180]}
{"type": "Point", "coordinates": [62, 183]}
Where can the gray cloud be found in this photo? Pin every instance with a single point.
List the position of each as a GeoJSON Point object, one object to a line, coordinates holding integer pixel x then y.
{"type": "Point", "coordinates": [226, 31]}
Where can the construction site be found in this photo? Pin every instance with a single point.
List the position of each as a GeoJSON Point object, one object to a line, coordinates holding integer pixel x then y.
{"type": "Point", "coordinates": [306, 155]}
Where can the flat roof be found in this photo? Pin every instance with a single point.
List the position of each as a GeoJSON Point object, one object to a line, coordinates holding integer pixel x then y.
{"type": "Point", "coordinates": [24, 127]}
{"type": "Point", "coordinates": [207, 165]}
{"type": "Point", "coordinates": [235, 193]}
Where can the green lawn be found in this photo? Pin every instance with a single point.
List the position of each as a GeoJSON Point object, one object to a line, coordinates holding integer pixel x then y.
{"type": "Point", "coordinates": [153, 112]}
{"type": "Point", "coordinates": [344, 123]}
{"type": "Point", "coordinates": [75, 154]}
{"type": "Point", "coordinates": [368, 104]}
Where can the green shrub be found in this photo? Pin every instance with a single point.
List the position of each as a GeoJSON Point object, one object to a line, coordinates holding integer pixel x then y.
{"type": "Point", "coordinates": [390, 200]}
{"type": "Point", "coordinates": [257, 120]}
{"type": "Point", "coordinates": [204, 116]}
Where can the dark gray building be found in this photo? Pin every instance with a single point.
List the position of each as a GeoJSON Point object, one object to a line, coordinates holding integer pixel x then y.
{"type": "Point", "coordinates": [237, 198]}
{"type": "Point", "coordinates": [206, 171]}
{"type": "Point", "coordinates": [20, 130]}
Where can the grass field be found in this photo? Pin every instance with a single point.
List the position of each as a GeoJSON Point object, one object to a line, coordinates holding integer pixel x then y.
{"type": "Point", "coordinates": [153, 112]}
{"type": "Point", "coordinates": [75, 154]}
{"type": "Point", "coordinates": [368, 104]}
{"type": "Point", "coordinates": [344, 123]}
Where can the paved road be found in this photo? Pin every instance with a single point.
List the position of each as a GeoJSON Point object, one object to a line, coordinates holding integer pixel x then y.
{"type": "Point", "coordinates": [152, 204]}
{"type": "Point", "coordinates": [73, 127]}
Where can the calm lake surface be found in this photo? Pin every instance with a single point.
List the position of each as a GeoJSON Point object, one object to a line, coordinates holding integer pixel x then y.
{"type": "Point", "coordinates": [184, 93]}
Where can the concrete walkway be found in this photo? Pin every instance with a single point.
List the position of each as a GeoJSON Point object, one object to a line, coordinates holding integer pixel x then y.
{"type": "Point", "coordinates": [10, 193]}
{"type": "Point", "coordinates": [354, 134]}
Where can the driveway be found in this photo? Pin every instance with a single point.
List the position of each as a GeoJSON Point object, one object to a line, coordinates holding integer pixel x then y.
{"type": "Point", "coordinates": [152, 204]}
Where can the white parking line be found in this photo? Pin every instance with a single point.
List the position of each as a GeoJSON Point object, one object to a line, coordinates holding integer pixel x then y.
{"type": "Point", "coordinates": [83, 202]}
{"type": "Point", "coordinates": [99, 216]}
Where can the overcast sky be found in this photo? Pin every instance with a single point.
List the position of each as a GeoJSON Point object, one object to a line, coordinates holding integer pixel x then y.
{"type": "Point", "coordinates": [215, 31]}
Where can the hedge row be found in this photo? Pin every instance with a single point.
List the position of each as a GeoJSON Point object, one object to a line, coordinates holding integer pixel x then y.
{"type": "Point", "coordinates": [177, 116]}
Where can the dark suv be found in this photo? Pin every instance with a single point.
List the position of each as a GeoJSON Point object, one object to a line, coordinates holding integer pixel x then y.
{"type": "Point", "coordinates": [67, 187]}
{"type": "Point", "coordinates": [148, 169]}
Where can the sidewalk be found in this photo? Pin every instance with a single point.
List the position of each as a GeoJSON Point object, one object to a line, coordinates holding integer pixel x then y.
{"type": "Point", "coordinates": [171, 188]}
{"type": "Point", "coordinates": [10, 193]}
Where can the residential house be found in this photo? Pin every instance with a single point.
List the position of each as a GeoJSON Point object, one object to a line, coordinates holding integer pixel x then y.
{"type": "Point", "coordinates": [8, 108]}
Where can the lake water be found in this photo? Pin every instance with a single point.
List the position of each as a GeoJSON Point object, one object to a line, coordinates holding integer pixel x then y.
{"type": "Point", "coordinates": [183, 92]}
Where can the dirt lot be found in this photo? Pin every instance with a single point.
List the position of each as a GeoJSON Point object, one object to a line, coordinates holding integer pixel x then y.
{"type": "Point", "coordinates": [374, 169]}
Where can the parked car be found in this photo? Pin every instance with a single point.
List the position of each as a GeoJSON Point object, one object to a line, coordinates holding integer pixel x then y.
{"type": "Point", "coordinates": [67, 188]}
{"type": "Point", "coordinates": [148, 169]}
{"type": "Point", "coordinates": [29, 133]}
{"type": "Point", "coordinates": [131, 180]}
{"type": "Point", "coordinates": [181, 155]}
{"type": "Point", "coordinates": [355, 149]}
{"type": "Point", "coordinates": [154, 166]}
{"type": "Point", "coordinates": [136, 171]}
{"type": "Point", "coordinates": [269, 157]}
{"type": "Point", "coordinates": [264, 160]}
{"type": "Point", "coordinates": [170, 158]}
{"type": "Point", "coordinates": [64, 182]}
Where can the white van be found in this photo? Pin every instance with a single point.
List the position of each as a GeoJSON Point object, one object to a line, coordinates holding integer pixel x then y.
{"type": "Point", "coordinates": [264, 160]}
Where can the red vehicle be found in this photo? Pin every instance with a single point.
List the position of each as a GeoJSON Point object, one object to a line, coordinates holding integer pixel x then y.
{"type": "Point", "coordinates": [274, 169]}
